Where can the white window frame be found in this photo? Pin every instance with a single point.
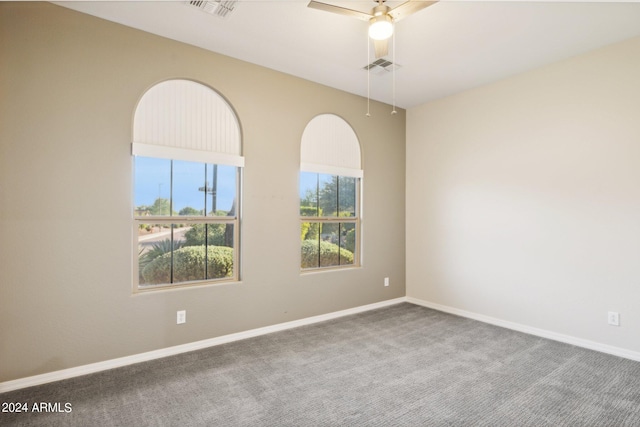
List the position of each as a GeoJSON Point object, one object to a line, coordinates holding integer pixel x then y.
{"type": "Point", "coordinates": [190, 220]}
{"type": "Point", "coordinates": [355, 220]}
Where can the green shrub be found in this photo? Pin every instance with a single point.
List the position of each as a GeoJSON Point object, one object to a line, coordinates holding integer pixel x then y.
{"type": "Point", "coordinates": [189, 264]}
{"type": "Point", "coordinates": [215, 235]}
{"type": "Point", "coordinates": [157, 249]}
{"type": "Point", "coordinates": [330, 254]}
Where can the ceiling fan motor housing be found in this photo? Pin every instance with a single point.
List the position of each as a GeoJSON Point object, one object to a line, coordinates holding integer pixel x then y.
{"type": "Point", "coordinates": [380, 9]}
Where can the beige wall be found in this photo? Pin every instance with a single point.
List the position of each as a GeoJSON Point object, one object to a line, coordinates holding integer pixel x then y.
{"type": "Point", "coordinates": [69, 85]}
{"type": "Point", "coordinates": [523, 198]}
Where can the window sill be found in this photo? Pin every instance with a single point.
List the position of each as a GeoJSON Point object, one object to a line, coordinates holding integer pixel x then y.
{"type": "Point", "coordinates": [152, 289]}
{"type": "Point", "coordinates": [310, 271]}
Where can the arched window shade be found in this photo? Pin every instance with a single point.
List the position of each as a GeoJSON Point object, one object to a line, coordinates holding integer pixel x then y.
{"type": "Point", "coordinates": [330, 146]}
{"type": "Point", "coordinates": [185, 120]}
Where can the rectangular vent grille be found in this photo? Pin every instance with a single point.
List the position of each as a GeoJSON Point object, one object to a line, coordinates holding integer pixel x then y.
{"type": "Point", "coordinates": [378, 63]}
{"type": "Point", "coordinates": [381, 66]}
{"type": "Point", "coordinates": [220, 8]}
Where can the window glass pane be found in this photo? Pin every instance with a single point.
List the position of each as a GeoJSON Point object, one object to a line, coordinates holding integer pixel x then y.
{"type": "Point", "coordinates": [188, 188]}
{"type": "Point", "coordinates": [347, 243]}
{"type": "Point", "coordinates": [221, 190]}
{"type": "Point", "coordinates": [310, 254]}
{"type": "Point", "coordinates": [308, 194]}
{"type": "Point", "coordinates": [346, 196]}
{"type": "Point", "coordinates": [219, 251]}
{"type": "Point", "coordinates": [154, 253]}
{"type": "Point", "coordinates": [152, 186]}
{"type": "Point", "coordinates": [329, 248]}
{"type": "Point", "coordinates": [328, 195]}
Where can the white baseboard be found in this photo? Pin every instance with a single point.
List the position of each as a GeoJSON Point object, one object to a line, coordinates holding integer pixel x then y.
{"type": "Point", "coordinates": [591, 345]}
{"type": "Point", "coordinates": [171, 351]}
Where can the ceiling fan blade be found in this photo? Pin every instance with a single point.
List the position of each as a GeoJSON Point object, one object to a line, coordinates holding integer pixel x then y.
{"type": "Point", "coordinates": [381, 47]}
{"type": "Point", "coordinates": [409, 7]}
{"type": "Point", "coordinates": [339, 10]}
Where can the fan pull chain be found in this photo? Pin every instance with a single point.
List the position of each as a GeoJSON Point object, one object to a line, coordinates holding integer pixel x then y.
{"type": "Point", "coordinates": [393, 70]}
{"type": "Point", "coordinates": [368, 76]}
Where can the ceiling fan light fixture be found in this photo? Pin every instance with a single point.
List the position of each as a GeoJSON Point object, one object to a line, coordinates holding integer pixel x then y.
{"type": "Point", "coordinates": [380, 27]}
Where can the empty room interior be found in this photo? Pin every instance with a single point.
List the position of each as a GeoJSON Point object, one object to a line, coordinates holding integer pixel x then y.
{"type": "Point", "coordinates": [256, 199]}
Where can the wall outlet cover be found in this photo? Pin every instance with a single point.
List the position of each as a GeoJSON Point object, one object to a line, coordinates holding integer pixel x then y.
{"type": "Point", "coordinates": [613, 318]}
{"type": "Point", "coordinates": [181, 317]}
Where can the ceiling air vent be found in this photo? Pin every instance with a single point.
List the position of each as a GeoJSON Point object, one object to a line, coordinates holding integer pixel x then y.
{"type": "Point", "coordinates": [381, 66]}
{"type": "Point", "coordinates": [220, 8]}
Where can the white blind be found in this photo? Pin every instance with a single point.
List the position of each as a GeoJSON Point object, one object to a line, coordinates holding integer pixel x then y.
{"type": "Point", "coordinates": [185, 120]}
{"type": "Point", "coordinates": [329, 145]}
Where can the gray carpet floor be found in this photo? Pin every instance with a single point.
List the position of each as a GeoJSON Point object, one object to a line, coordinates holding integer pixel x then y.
{"type": "Point", "coordinates": [402, 365]}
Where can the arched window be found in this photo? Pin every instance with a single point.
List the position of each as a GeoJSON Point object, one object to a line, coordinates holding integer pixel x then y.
{"type": "Point", "coordinates": [187, 169]}
{"type": "Point", "coordinates": [330, 181]}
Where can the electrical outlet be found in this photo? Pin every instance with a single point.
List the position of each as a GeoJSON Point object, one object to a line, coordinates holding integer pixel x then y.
{"type": "Point", "coordinates": [181, 317]}
{"type": "Point", "coordinates": [614, 318]}
{"type": "Point", "coordinates": [386, 281]}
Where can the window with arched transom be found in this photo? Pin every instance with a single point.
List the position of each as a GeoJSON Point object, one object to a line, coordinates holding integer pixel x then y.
{"type": "Point", "coordinates": [188, 161]}
{"type": "Point", "coordinates": [330, 186]}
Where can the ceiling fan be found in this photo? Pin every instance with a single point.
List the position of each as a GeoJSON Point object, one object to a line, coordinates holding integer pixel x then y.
{"type": "Point", "coordinates": [381, 19]}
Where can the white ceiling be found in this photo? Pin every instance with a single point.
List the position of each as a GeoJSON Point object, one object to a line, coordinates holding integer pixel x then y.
{"type": "Point", "coordinates": [443, 49]}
